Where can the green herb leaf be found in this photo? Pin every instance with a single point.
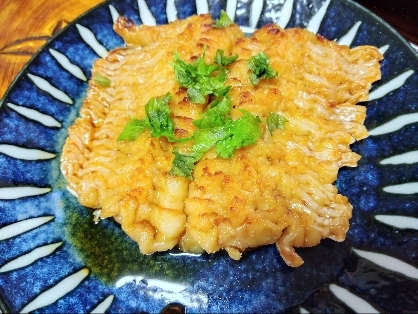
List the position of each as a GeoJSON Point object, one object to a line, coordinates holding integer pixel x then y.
{"type": "Point", "coordinates": [132, 130]}
{"type": "Point", "coordinates": [195, 96]}
{"type": "Point", "coordinates": [217, 114]}
{"type": "Point", "coordinates": [222, 60]}
{"type": "Point", "coordinates": [205, 139]}
{"type": "Point", "coordinates": [102, 80]}
{"type": "Point", "coordinates": [242, 132]}
{"type": "Point", "coordinates": [157, 120]}
{"type": "Point", "coordinates": [200, 78]}
{"type": "Point", "coordinates": [217, 83]}
{"type": "Point", "coordinates": [275, 121]}
{"type": "Point", "coordinates": [184, 72]}
{"type": "Point", "coordinates": [260, 68]}
{"type": "Point", "coordinates": [202, 67]}
{"type": "Point", "coordinates": [226, 138]}
{"type": "Point", "coordinates": [158, 116]}
{"type": "Point", "coordinates": [223, 21]}
{"type": "Point", "coordinates": [207, 85]}
{"type": "Point", "coordinates": [183, 165]}
{"type": "Point", "coordinates": [220, 94]}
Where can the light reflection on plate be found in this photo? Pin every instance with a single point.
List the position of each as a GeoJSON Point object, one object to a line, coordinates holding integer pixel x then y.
{"type": "Point", "coordinates": [55, 259]}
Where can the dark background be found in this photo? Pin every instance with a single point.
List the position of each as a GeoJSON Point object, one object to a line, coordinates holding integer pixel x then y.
{"type": "Point", "coordinates": [400, 14]}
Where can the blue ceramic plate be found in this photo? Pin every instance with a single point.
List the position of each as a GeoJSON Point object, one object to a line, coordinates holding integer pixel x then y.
{"type": "Point", "coordinates": [54, 259]}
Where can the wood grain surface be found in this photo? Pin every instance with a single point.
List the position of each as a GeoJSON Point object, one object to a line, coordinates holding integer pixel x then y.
{"type": "Point", "coordinates": [26, 25]}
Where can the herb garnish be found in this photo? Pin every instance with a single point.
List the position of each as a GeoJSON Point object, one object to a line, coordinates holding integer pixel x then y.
{"type": "Point", "coordinates": [225, 138]}
{"type": "Point", "coordinates": [260, 68]}
{"type": "Point", "coordinates": [223, 21]}
{"type": "Point", "coordinates": [132, 130]}
{"type": "Point", "coordinates": [202, 79]}
{"type": "Point", "coordinates": [222, 60]}
{"type": "Point", "coordinates": [215, 128]}
{"type": "Point", "coordinates": [102, 80]}
{"type": "Point", "coordinates": [157, 120]}
{"type": "Point", "coordinates": [183, 165]}
{"type": "Point", "coordinates": [217, 114]}
{"type": "Point", "coordinates": [242, 132]}
{"type": "Point", "coordinates": [275, 121]}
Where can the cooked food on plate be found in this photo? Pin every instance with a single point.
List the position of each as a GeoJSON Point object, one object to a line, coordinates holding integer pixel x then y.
{"type": "Point", "coordinates": [196, 136]}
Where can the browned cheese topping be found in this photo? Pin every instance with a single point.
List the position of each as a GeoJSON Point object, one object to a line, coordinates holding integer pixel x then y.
{"type": "Point", "coordinates": [277, 191]}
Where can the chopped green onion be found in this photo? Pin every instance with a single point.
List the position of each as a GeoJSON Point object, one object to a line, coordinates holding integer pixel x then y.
{"type": "Point", "coordinates": [102, 80]}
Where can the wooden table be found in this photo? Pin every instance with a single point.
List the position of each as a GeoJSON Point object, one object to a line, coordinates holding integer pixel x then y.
{"type": "Point", "coordinates": [25, 25]}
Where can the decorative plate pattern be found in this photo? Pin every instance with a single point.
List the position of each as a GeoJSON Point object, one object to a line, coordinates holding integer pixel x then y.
{"type": "Point", "coordinates": [55, 259]}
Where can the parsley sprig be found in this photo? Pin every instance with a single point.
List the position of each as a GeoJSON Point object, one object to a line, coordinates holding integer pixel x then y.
{"type": "Point", "coordinates": [260, 68]}
{"type": "Point", "coordinates": [133, 129]}
{"type": "Point", "coordinates": [217, 114]}
{"type": "Point", "coordinates": [215, 128]}
{"type": "Point", "coordinates": [275, 121]}
{"type": "Point", "coordinates": [225, 138]}
{"type": "Point", "coordinates": [157, 120]}
{"type": "Point", "coordinates": [202, 79]}
{"type": "Point", "coordinates": [183, 165]}
{"type": "Point", "coordinates": [223, 21]}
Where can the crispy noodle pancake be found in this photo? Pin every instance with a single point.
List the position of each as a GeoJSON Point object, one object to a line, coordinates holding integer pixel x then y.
{"type": "Point", "coordinates": [279, 190]}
